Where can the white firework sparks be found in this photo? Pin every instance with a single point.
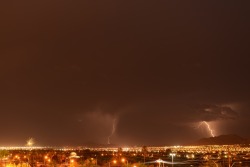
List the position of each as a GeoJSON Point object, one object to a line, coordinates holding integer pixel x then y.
{"type": "Point", "coordinates": [30, 142]}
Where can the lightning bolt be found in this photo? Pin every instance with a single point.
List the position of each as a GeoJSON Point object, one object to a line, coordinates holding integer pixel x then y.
{"type": "Point", "coordinates": [208, 127]}
{"type": "Point", "coordinates": [113, 130]}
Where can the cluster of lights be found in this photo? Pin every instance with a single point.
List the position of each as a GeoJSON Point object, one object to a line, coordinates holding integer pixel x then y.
{"type": "Point", "coordinates": [123, 160]}
{"type": "Point", "coordinates": [46, 158]}
{"type": "Point", "coordinates": [190, 152]}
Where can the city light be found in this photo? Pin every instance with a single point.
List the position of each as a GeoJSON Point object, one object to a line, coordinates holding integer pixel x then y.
{"type": "Point", "coordinates": [230, 155]}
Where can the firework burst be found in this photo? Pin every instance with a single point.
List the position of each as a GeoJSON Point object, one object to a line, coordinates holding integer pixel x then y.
{"type": "Point", "coordinates": [30, 142]}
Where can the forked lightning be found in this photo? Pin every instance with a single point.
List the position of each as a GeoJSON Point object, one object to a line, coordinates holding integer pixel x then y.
{"type": "Point", "coordinates": [208, 127]}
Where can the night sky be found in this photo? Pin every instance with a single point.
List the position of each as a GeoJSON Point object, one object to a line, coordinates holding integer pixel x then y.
{"type": "Point", "coordinates": [71, 71]}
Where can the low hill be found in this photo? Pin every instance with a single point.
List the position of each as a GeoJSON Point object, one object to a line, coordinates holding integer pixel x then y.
{"type": "Point", "coordinates": [222, 140]}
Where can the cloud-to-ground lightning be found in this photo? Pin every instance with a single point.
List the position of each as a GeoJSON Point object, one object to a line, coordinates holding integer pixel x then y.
{"type": "Point", "coordinates": [113, 130]}
{"type": "Point", "coordinates": [208, 127]}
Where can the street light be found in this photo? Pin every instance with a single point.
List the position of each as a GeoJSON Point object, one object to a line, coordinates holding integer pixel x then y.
{"type": "Point", "coordinates": [159, 162]}
{"type": "Point", "coordinates": [94, 161]}
{"type": "Point", "coordinates": [172, 155]}
{"type": "Point", "coordinates": [124, 160]}
{"type": "Point", "coordinates": [45, 158]}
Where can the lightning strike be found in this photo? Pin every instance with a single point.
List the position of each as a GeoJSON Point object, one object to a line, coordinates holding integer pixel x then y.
{"type": "Point", "coordinates": [208, 127]}
{"type": "Point", "coordinates": [113, 130]}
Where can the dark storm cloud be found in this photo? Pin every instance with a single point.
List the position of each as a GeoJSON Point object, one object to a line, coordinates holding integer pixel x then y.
{"type": "Point", "coordinates": [68, 69]}
{"type": "Point", "coordinates": [215, 112]}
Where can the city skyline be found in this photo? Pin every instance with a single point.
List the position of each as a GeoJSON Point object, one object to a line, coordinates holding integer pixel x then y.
{"type": "Point", "coordinates": [123, 72]}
